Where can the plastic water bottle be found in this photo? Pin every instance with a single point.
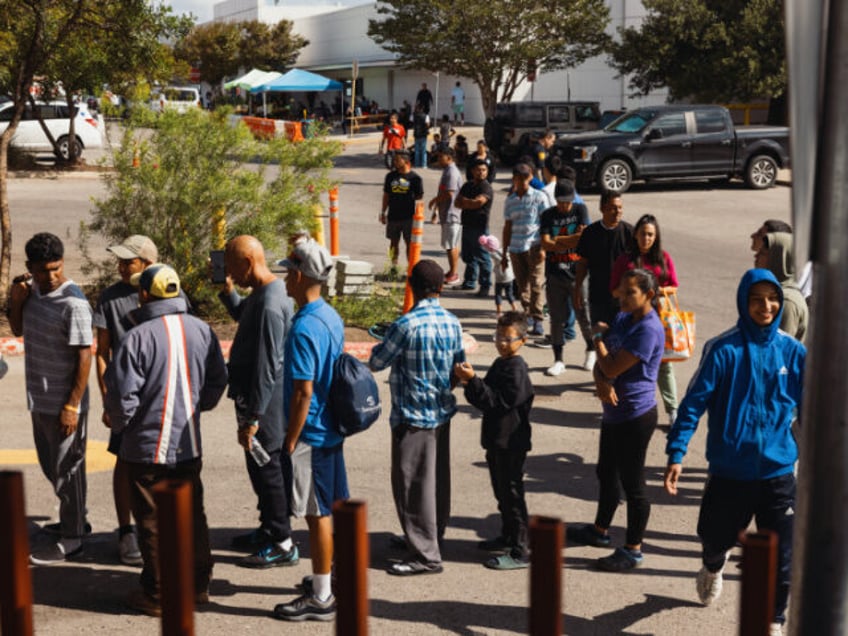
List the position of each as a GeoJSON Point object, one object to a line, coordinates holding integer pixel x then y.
{"type": "Point", "coordinates": [259, 454]}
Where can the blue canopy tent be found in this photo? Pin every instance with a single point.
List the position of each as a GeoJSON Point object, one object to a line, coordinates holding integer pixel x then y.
{"type": "Point", "coordinates": [297, 80]}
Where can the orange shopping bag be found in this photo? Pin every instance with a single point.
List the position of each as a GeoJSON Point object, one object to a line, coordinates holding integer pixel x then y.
{"type": "Point", "coordinates": [679, 329]}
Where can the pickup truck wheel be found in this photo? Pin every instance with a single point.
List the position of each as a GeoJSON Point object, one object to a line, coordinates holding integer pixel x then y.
{"type": "Point", "coordinates": [64, 145]}
{"type": "Point", "coordinates": [761, 172]}
{"type": "Point", "coordinates": [615, 175]}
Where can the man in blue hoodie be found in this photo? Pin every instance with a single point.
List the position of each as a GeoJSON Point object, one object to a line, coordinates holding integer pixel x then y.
{"type": "Point", "coordinates": [749, 381]}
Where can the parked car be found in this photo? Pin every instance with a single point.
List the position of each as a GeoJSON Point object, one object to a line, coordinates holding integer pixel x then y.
{"type": "Point", "coordinates": [178, 98]}
{"type": "Point", "coordinates": [88, 128]}
{"type": "Point", "coordinates": [676, 142]}
{"type": "Point", "coordinates": [517, 124]}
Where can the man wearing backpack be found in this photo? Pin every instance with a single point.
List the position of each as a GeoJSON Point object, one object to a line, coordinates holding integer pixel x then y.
{"type": "Point", "coordinates": [421, 347]}
{"type": "Point", "coordinates": [315, 341]}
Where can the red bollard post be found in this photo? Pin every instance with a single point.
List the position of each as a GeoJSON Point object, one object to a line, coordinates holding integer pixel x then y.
{"type": "Point", "coordinates": [759, 576]}
{"type": "Point", "coordinates": [546, 543]}
{"type": "Point", "coordinates": [176, 556]}
{"type": "Point", "coordinates": [334, 221]}
{"type": "Point", "coordinates": [15, 581]}
{"type": "Point", "coordinates": [351, 556]}
{"type": "Point", "coordinates": [414, 252]}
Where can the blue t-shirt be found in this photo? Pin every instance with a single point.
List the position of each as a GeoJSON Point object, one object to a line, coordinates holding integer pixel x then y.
{"type": "Point", "coordinates": [636, 387]}
{"type": "Point", "coordinates": [315, 340]}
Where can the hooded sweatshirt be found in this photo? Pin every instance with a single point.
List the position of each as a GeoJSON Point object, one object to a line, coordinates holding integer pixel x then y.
{"type": "Point", "coordinates": [795, 311]}
{"type": "Point", "coordinates": [749, 382]}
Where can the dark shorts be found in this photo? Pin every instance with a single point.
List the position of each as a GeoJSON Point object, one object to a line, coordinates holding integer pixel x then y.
{"type": "Point", "coordinates": [396, 229]}
{"type": "Point", "coordinates": [320, 479]}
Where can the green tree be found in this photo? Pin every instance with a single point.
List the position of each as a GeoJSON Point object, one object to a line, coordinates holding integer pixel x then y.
{"type": "Point", "coordinates": [32, 35]}
{"type": "Point", "coordinates": [497, 43]}
{"type": "Point", "coordinates": [199, 177]}
{"type": "Point", "coordinates": [706, 50]}
{"type": "Point", "coordinates": [220, 49]}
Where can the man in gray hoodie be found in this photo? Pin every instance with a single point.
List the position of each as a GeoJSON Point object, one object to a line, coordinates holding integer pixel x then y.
{"type": "Point", "coordinates": [167, 370]}
{"type": "Point", "coordinates": [775, 255]}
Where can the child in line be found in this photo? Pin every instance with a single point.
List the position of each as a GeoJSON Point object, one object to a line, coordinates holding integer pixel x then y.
{"type": "Point", "coordinates": [504, 276]}
{"type": "Point", "coordinates": [505, 396]}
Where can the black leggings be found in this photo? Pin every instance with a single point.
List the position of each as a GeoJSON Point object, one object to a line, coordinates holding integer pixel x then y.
{"type": "Point", "coordinates": [621, 459]}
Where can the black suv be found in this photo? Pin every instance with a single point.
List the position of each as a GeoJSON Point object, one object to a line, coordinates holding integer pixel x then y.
{"type": "Point", "coordinates": [516, 125]}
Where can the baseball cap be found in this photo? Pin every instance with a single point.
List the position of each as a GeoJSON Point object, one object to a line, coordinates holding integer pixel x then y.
{"type": "Point", "coordinates": [158, 280]}
{"type": "Point", "coordinates": [136, 246]}
{"type": "Point", "coordinates": [310, 259]}
{"type": "Point", "coordinates": [564, 191]}
{"type": "Point", "coordinates": [522, 169]}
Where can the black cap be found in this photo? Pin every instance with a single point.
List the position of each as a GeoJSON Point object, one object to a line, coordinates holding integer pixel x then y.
{"type": "Point", "coordinates": [564, 191]}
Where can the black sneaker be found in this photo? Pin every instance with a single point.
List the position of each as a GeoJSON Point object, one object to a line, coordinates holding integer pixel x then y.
{"type": "Point", "coordinates": [586, 534]}
{"type": "Point", "coordinates": [307, 608]}
{"type": "Point", "coordinates": [272, 555]}
{"type": "Point", "coordinates": [56, 528]}
{"type": "Point", "coordinates": [250, 540]}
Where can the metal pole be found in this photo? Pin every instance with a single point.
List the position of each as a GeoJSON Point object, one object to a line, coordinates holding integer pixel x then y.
{"type": "Point", "coordinates": [820, 601]}
{"type": "Point", "coordinates": [759, 571]}
{"type": "Point", "coordinates": [546, 543]}
{"type": "Point", "coordinates": [15, 580]}
{"type": "Point", "coordinates": [351, 539]}
{"type": "Point", "coordinates": [176, 556]}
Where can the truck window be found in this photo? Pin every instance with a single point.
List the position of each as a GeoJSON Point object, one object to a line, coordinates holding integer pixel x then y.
{"type": "Point", "coordinates": [633, 122]}
{"type": "Point", "coordinates": [710, 121]}
{"type": "Point", "coordinates": [587, 113]}
{"type": "Point", "coordinates": [671, 124]}
{"type": "Point", "coordinates": [529, 115]}
{"type": "Point", "coordinates": [559, 114]}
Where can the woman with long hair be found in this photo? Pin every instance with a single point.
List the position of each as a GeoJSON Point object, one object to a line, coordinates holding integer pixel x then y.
{"type": "Point", "coordinates": [629, 353]}
{"type": "Point", "coordinates": [646, 252]}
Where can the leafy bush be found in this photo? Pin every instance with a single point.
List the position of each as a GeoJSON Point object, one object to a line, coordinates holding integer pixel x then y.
{"type": "Point", "coordinates": [383, 305]}
{"type": "Point", "coordinates": [200, 179]}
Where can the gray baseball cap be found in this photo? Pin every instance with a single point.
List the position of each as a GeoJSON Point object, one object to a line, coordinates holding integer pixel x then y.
{"type": "Point", "coordinates": [309, 258]}
{"type": "Point", "coordinates": [136, 246]}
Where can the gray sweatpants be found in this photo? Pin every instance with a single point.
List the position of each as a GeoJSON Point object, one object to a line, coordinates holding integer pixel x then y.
{"type": "Point", "coordinates": [62, 461]}
{"type": "Point", "coordinates": [421, 487]}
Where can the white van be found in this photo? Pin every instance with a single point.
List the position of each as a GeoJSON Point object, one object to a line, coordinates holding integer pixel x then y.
{"type": "Point", "coordinates": [88, 127]}
{"type": "Point", "coordinates": [178, 98]}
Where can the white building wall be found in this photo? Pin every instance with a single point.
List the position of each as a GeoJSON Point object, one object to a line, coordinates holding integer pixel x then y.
{"type": "Point", "coordinates": [338, 35]}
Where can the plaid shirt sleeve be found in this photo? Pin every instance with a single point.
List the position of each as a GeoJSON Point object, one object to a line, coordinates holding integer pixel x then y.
{"type": "Point", "coordinates": [383, 354]}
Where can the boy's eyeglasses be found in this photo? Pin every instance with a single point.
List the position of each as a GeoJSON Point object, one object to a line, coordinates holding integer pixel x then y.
{"type": "Point", "coordinates": [506, 340]}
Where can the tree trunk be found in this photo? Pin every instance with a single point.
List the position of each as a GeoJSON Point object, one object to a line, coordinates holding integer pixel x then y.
{"type": "Point", "coordinates": [490, 99]}
{"type": "Point", "coordinates": [5, 218]}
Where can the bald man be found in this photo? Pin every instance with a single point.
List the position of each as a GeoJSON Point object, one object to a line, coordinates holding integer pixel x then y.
{"type": "Point", "coordinates": [256, 387]}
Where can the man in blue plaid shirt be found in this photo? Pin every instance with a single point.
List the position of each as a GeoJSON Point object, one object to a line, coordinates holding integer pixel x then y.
{"type": "Point", "coordinates": [421, 347]}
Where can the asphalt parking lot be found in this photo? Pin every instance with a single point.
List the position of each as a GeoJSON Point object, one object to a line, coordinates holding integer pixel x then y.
{"type": "Point", "coordinates": [704, 227]}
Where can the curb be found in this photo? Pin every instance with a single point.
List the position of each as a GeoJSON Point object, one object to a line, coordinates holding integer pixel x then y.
{"type": "Point", "coordinates": [359, 350]}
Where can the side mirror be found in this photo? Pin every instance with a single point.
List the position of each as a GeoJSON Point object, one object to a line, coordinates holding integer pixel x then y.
{"type": "Point", "coordinates": [656, 133]}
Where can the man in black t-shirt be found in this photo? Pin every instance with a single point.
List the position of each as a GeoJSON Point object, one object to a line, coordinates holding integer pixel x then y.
{"type": "Point", "coordinates": [401, 189]}
{"type": "Point", "coordinates": [475, 201]}
{"type": "Point", "coordinates": [600, 244]}
{"type": "Point", "coordinates": [424, 98]}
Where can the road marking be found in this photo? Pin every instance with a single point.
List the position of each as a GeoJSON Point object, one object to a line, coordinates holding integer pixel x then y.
{"type": "Point", "coordinates": [97, 457]}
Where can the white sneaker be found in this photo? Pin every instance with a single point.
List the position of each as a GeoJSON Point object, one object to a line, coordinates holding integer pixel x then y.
{"type": "Point", "coordinates": [591, 358]}
{"type": "Point", "coordinates": [709, 585]}
{"type": "Point", "coordinates": [128, 549]}
{"type": "Point", "coordinates": [775, 629]}
{"type": "Point", "coordinates": [558, 368]}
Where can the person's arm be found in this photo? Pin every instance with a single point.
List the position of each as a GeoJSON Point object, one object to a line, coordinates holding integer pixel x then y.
{"type": "Point", "coordinates": [465, 203]}
{"type": "Point", "coordinates": [618, 269]}
{"type": "Point", "coordinates": [215, 381]}
{"type": "Point", "coordinates": [69, 417]}
{"type": "Point", "coordinates": [506, 240]}
{"type": "Point", "coordinates": [231, 299]}
{"type": "Point", "coordinates": [386, 352]}
{"type": "Point", "coordinates": [671, 275]}
{"type": "Point", "coordinates": [298, 411]}
{"type": "Point", "coordinates": [104, 353]}
{"type": "Point", "coordinates": [610, 364]}
{"type": "Point", "coordinates": [603, 387]}
{"type": "Point", "coordinates": [384, 209]}
{"type": "Point", "coordinates": [18, 296]}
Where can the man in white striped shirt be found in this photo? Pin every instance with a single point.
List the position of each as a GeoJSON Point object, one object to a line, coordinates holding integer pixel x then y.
{"type": "Point", "coordinates": [166, 371]}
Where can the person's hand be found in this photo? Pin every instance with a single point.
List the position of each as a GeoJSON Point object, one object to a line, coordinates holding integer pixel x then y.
{"type": "Point", "coordinates": [577, 299]}
{"type": "Point", "coordinates": [464, 371]}
{"type": "Point", "coordinates": [245, 436]}
{"type": "Point", "coordinates": [606, 393]}
{"type": "Point", "coordinates": [21, 288]}
{"type": "Point", "coordinates": [433, 202]}
{"type": "Point", "coordinates": [504, 261]}
{"type": "Point", "coordinates": [107, 421]}
{"type": "Point", "coordinates": [383, 218]}
{"type": "Point", "coordinates": [672, 475]}
{"type": "Point", "coordinates": [68, 421]}
{"type": "Point", "coordinates": [600, 327]}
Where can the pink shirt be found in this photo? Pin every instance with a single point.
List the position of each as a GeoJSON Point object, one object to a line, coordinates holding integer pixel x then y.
{"type": "Point", "coordinates": [624, 262]}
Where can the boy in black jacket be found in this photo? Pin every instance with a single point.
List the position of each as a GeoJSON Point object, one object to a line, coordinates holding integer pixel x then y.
{"type": "Point", "coordinates": [505, 396]}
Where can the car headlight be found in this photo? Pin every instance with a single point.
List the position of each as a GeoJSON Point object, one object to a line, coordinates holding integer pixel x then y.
{"type": "Point", "coordinates": [584, 153]}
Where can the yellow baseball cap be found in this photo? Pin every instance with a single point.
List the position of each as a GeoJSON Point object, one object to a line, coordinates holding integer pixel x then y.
{"type": "Point", "coordinates": [158, 280]}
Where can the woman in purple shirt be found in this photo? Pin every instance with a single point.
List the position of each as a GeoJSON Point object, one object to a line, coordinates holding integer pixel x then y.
{"type": "Point", "coordinates": [629, 353]}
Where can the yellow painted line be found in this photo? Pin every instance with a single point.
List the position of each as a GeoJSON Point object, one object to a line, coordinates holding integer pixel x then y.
{"type": "Point", "coordinates": [97, 458]}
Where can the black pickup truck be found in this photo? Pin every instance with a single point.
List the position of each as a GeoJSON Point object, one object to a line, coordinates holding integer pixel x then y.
{"type": "Point", "coordinates": [675, 142]}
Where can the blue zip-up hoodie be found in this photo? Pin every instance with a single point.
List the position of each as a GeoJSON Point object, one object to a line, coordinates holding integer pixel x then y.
{"type": "Point", "coordinates": [749, 381]}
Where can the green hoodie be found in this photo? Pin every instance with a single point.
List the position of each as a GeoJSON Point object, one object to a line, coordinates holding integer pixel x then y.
{"type": "Point", "coordinates": [795, 311]}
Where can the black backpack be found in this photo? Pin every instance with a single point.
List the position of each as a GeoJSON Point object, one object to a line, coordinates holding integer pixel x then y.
{"type": "Point", "coordinates": [354, 399]}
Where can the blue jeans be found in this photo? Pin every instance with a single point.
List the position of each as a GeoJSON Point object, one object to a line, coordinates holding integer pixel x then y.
{"type": "Point", "coordinates": [478, 263]}
{"type": "Point", "coordinates": [420, 152]}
